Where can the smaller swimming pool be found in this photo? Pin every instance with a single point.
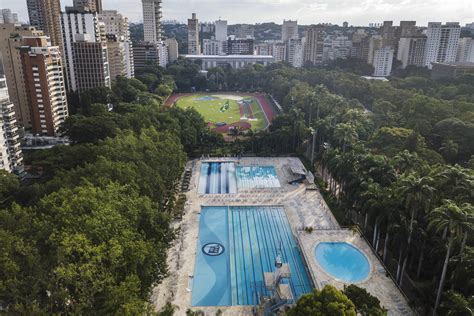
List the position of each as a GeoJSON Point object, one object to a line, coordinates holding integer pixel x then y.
{"type": "Point", "coordinates": [342, 261]}
{"type": "Point", "coordinates": [251, 177]}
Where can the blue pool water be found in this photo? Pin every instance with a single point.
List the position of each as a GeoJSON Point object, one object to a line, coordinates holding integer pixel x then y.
{"type": "Point", "coordinates": [217, 178]}
{"type": "Point", "coordinates": [257, 177]}
{"type": "Point", "coordinates": [236, 246]}
{"type": "Point", "coordinates": [342, 261]}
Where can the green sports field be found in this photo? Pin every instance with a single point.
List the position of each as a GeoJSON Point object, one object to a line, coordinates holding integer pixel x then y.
{"type": "Point", "coordinates": [225, 108]}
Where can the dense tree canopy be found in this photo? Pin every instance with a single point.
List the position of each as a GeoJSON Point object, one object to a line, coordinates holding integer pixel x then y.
{"type": "Point", "coordinates": [327, 302]}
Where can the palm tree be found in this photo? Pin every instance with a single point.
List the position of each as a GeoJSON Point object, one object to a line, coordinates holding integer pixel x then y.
{"type": "Point", "coordinates": [455, 182]}
{"type": "Point", "coordinates": [406, 161]}
{"type": "Point", "coordinates": [418, 194]}
{"type": "Point", "coordinates": [345, 134]}
{"type": "Point", "coordinates": [449, 150]}
{"type": "Point", "coordinates": [457, 220]}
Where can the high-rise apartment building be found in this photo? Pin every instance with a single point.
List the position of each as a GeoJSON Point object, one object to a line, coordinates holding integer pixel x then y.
{"type": "Point", "coordinates": [313, 49]}
{"type": "Point", "coordinates": [163, 58]}
{"type": "Point", "coordinates": [295, 52]}
{"type": "Point", "coordinates": [44, 80]}
{"type": "Point", "coordinates": [340, 47]}
{"type": "Point", "coordinates": [280, 52]}
{"type": "Point", "coordinates": [239, 46]}
{"type": "Point", "coordinates": [10, 42]}
{"type": "Point", "coordinates": [221, 30]}
{"type": "Point", "coordinates": [194, 47]}
{"type": "Point", "coordinates": [119, 45]}
{"type": "Point", "coordinates": [93, 5]}
{"type": "Point", "coordinates": [151, 20]}
{"type": "Point", "coordinates": [45, 15]}
{"type": "Point", "coordinates": [265, 48]}
{"type": "Point", "coordinates": [145, 54]}
{"type": "Point", "coordinates": [382, 61]}
{"type": "Point", "coordinates": [360, 44]}
{"type": "Point", "coordinates": [407, 29]}
{"type": "Point", "coordinates": [245, 31]}
{"type": "Point", "coordinates": [411, 51]}
{"type": "Point", "coordinates": [172, 45]}
{"type": "Point", "coordinates": [465, 52]}
{"type": "Point", "coordinates": [387, 31]}
{"type": "Point", "coordinates": [376, 42]}
{"type": "Point", "coordinates": [91, 66]}
{"type": "Point", "coordinates": [11, 158]}
{"type": "Point", "coordinates": [442, 42]}
{"type": "Point", "coordinates": [120, 57]}
{"type": "Point", "coordinates": [212, 47]}
{"type": "Point", "coordinates": [85, 50]}
{"type": "Point", "coordinates": [8, 17]}
{"type": "Point", "coordinates": [289, 30]}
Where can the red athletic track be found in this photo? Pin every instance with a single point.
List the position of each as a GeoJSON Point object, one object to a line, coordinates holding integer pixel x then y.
{"type": "Point", "coordinates": [264, 103]}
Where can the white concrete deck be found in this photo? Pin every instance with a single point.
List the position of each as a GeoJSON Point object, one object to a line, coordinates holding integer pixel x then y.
{"type": "Point", "coordinates": [303, 208]}
{"type": "Point", "coordinates": [377, 283]}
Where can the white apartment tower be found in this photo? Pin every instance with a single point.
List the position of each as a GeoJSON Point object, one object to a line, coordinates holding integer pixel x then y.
{"type": "Point", "coordinates": [295, 52]}
{"type": "Point", "coordinates": [465, 50]}
{"type": "Point", "coordinates": [152, 20]}
{"type": "Point", "coordinates": [85, 50]}
{"type": "Point", "coordinates": [411, 51]}
{"type": "Point", "coordinates": [442, 42]}
{"type": "Point", "coordinates": [382, 61]}
{"type": "Point", "coordinates": [221, 30]}
{"type": "Point", "coordinates": [194, 48]}
{"type": "Point", "coordinates": [172, 46]}
{"type": "Point", "coordinates": [212, 47]}
{"type": "Point", "coordinates": [279, 52]}
{"type": "Point", "coordinates": [289, 30]}
{"type": "Point", "coordinates": [119, 45]}
{"type": "Point", "coordinates": [11, 158]}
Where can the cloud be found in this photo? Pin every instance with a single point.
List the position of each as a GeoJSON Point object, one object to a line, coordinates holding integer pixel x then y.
{"type": "Point", "coordinates": [356, 12]}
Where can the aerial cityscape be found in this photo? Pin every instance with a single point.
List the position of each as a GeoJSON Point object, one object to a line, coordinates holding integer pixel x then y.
{"type": "Point", "coordinates": [202, 167]}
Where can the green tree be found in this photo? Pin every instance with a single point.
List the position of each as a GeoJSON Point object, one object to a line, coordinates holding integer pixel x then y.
{"type": "Point", "coordinates": [455, 304]}
{"type": "Point", "coordinates": [327, 302]}
{"type": "Point", "coordinates": [365, 303]}
{"type": "Point", "coordinates": [345, 134]}
{"type": "Point", "coordinates": [449, 150]}
{"type": "Point", "coordinates": [9, 184]}
{"type": "Point", "coordinates": [456, 221]}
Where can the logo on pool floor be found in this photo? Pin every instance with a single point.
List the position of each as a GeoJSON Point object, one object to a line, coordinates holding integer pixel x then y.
{"type": "Point", "coordinates": [213, 249]}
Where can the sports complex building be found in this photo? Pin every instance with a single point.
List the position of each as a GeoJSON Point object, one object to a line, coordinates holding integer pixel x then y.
{"type": "Point", "coordinates": [256, 235]}
{"type": "Point", "coordinates": [235, 61]}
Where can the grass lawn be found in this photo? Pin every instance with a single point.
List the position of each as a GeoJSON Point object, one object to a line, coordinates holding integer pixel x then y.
{"type": "Point", "coordinates": [211, 109]}
{"type": "Point", "coordinates": [261, 122]}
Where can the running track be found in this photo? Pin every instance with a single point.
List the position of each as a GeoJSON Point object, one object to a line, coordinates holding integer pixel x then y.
{"type": "Point", "coordinates": [270, 112]}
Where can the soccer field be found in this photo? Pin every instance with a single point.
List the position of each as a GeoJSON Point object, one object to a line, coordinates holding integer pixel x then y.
{"type": "Point", "coordinates": [224, 110]}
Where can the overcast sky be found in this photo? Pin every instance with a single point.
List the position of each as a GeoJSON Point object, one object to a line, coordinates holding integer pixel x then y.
{"type": "Point", "coordinates": [356, 12]}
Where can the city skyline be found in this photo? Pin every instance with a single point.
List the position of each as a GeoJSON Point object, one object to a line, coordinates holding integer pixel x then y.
{"type": "Point", "coordinates": [305, 11]}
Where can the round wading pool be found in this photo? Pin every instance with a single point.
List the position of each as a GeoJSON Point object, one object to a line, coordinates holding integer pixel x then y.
{"type": "Point", "coordinates": [342, 261]}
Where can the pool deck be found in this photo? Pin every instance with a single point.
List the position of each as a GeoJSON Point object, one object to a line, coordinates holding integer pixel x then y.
{"type": "Point", "coordinates": [304, 208]}
{"type": "Point", "coordinates": [377, 283]}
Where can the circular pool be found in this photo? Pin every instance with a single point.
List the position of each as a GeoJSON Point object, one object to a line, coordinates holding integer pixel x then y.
{"type": "Point", "coordinates": [342, 261]}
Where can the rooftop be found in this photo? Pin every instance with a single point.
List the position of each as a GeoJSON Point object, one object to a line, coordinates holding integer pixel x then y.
{"type": "Point", "coordinates": [228, 56]}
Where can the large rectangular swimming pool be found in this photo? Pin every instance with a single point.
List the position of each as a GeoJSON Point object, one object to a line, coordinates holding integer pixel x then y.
{"type": "Point", "coordinates": [236, 246]}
